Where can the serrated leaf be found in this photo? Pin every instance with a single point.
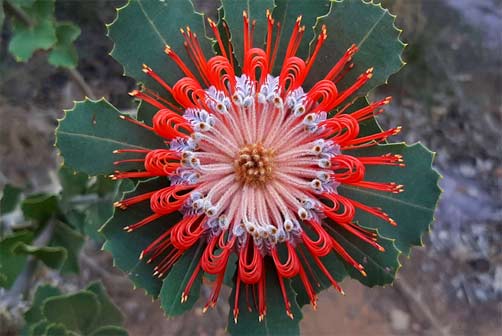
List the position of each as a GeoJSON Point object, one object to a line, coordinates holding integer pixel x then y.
{"type": "Point", "coordinates": [40, 207]}
{"type": "Point", "coordinates": [77, 312]}
{"type": "Point", "coordinates": [286, 12]}
{"type": "Point", "coordinates": [412, 209]}
{"type": "Point", "coordinates": [34, 314]}
{"type": "Point", "coordinates": [38, 328]}
{"type": "Point", "coordinates": [52, 256]}
{"type": "Point", "coordinates": [63, 52]}
{"type": "Point", "coordinates": [256, 10]}
{"type": "Point", "coordinates": [381, 267]}
{"type": "Point", "coordinates": [276, 321]}
{"type": "Point", "coordinates": [10, 264]}
{"type": "Point", "coordinates": [110, 331]}
{"type": "Point", "coordinates": [72, 241]}
{"type": "Point", "coordinates": [109, 315]}
{"type": "Point", "coordinates": [372, 29]}
{"type": "Point", "coordinates": [92, 130]}
{"type": "Point", "coordinates": [126, 247]}
{"type": "Point", "coordinates": [10, 199]}
{"type": "Point", "coordinates": [41, 35]}
{"type": "Point", "coordinates": [146, 112]}
{"type": "Point", "coordinates": [141, 31]}
{"type": "Point", "coordinates": [175, 282]}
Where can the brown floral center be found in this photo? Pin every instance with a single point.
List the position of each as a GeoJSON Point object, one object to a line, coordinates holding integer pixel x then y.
{"type": "Point", "coordinates": [254, 164]}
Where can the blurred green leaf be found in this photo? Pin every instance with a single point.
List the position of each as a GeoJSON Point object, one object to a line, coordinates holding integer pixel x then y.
{"type": "Point", "coordinates": [177, 279]}
{"type": "Point", "coordinates": [55, 329]}
{"type": "Point", "coordinates": [109, 315]}
{"type": "Point", "coordinates": [34, 314]}
{"type": "Point", "coordinates": [52, 256]}
{"type": "Point", "coordinates": [10, 199]}
{"type": "Point", "coordinates": [110, 331]}
{"type": "Point", "coordinates": [2, 15]}
{"type": "Point", "coordinates": [38, 328]}
{"type": "Point", "coordinates": [11, 264]}
{"type": "Point", "coordinates": [63, 53]}
{"type": "Point", "coordinates": [92, 130]}
{"type": "Point", "coordinates": [72, 241]}
{"type": "Point", "coordinates": [77, 312]}
{"type": "Point", "coordinates": [40, 207]}
{"type": "Point", "coordinates": [40, 35]}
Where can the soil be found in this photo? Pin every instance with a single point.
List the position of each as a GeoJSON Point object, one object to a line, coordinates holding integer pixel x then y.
{"type": "Point", "coordinates": [448, 96]}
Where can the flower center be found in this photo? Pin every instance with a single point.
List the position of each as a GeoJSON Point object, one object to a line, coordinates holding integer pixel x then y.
{"type": "Point", "coordinates": [254, 164]}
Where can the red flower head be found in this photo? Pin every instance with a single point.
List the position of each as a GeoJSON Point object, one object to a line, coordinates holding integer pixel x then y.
{"type": "Point", "coordinates": [255, 161]}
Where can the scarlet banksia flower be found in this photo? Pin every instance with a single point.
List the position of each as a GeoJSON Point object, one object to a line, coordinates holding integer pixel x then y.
{"type": "Point", "coordinates": [255, 160]}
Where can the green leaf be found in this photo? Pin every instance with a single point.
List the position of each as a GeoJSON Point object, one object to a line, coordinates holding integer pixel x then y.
{"type": "Point", "coordinates": [381, 267]}
{"type": "Point", "coordinates": [175, 282]}
{"type": "Point", "coordinates": [286, 13]}
{"type": "Point", "coordinates": [41, 35]}
{"type": "Point", "coordinates": [110, 315]}
{"type": "Point", "coordinates": [55, 329]}
{"type": "Point", "coordinates": [366, 127]}
{"type": "Point", "coordinates": [141, 31]}
{"type": "Point", "coordinates": [412, 209]}
{"type": "Point", "coordinates": [146, 112]}
{"type": "Point", "coordinates": [63, 53]}
{"type": "Point", "coordinates": [38, 328]}
{"type": "Point", "coordinates": [40, 207]}
{"type": "Point", "coordinates": [256, 10]}
{"type": "Point", "coordinates": [10, 199]}
{"type": "Point", "coordinates": [92, 130]}
{"type": "Point", "coordinates": [34, 314]}
{"type": "Point", "coordinates": [52, 256]}
{"type": "Point", "coordinates": [72, 182]}
{"type": "Point", "coordinates": [372, 29]}
{"type": "Point", "coordinates": [276, 321]}
{"type": "Point", "coordinates": [110, 331]}
{"type": "Point", "coordinates": [11, 264]}
{"type": "Point", "coordinates": [72, 241]}
{"type": "Point", "coordinates": [77, 312]}
{"type": "Point", "coordinates": [127, 246]}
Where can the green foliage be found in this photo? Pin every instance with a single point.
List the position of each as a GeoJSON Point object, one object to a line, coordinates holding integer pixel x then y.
{"type": "Point", "coordinates": [12, 264]}
{"type": "Point", "coordinates": [412, 209]}
{"type": "Point", "coordinates": [92, 130]}
{"type": "Point", "coordinates": [141, 31]}
{"type": "Point", "coordinates": [88, 312]}
{"type": "Point", "coordinates": [52, 256]}
{"type": "Point", "coordinates": [2, 15]}
{"type": "Point", "coordinates": [372, 29]}
{"type": "Point", "coordinates": [175, 282]}
{"type": "Point", "coordinates": [63, 52]}
{"type": "Point", "coordinates": [40, 207]}
{"type": "Point", "coordinates": [41, 34]}
{"type": "Point", "coordinates": [126, 247]}
{"type": "Point", "coordinates": [276, 321]}
{"type": "Point", "coordinates": [10, 199]}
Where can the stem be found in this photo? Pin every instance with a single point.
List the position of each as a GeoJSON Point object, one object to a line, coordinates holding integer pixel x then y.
{"type": "Point", "coordinates": [23, 281]}
{"type": "Point", "coordinates": [77, 77]}
{"type": "Point", "coordinates": [18, 13]}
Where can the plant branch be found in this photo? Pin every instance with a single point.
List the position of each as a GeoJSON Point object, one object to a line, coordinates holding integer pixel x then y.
{"type": "Point", "coordinates": [18, 13]}
{"type": "Point", "coordinates": [77, 77]}
{"type": "Point", "coordinates": [402, 286]}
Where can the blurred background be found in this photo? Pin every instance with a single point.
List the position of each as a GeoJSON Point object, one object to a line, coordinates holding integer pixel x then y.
{"type": "Point", "coordinates": [449, 96]}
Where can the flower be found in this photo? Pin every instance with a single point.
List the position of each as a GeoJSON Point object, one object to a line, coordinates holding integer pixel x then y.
{"type": "Point", "coordinates": [255, 161]}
